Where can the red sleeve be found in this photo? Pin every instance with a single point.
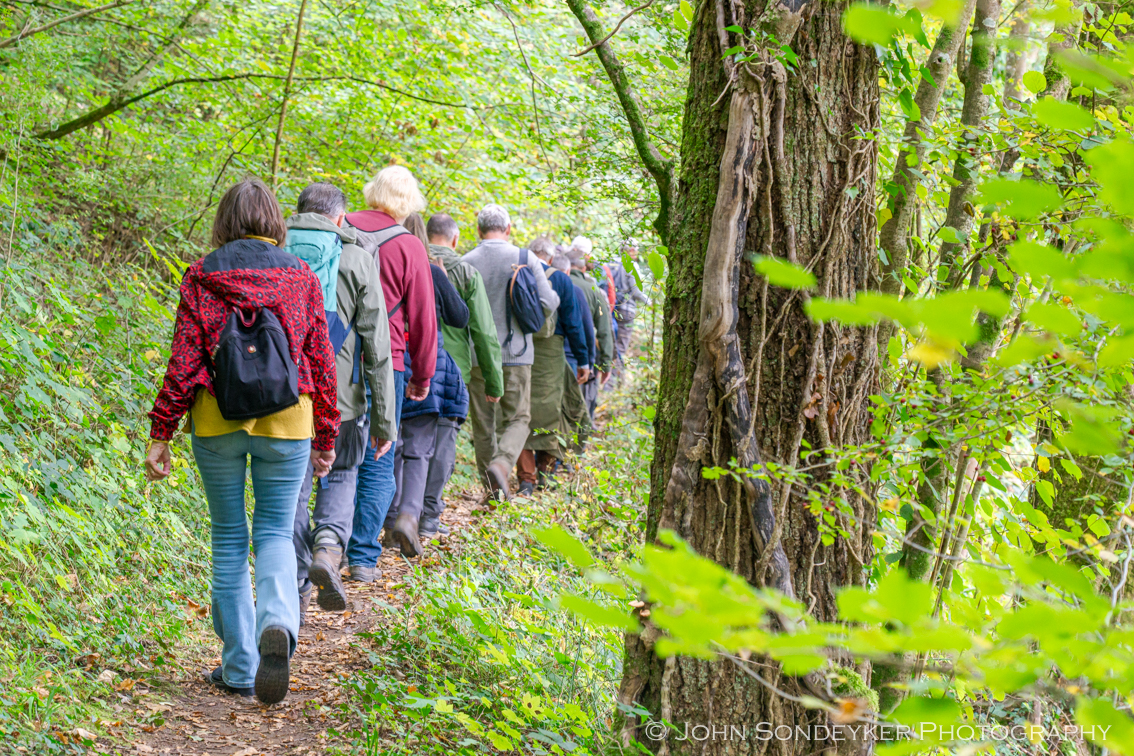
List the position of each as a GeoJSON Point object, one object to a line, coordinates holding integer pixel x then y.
{"type": "Point", "coordinates": [421, 313]}
{"type": "Point", "coordinates": [186, 369]}
{"type": "Point", "coordinates": [317, 350]}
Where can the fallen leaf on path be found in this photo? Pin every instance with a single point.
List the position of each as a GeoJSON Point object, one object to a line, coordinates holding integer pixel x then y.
{"type": "Point", "coordinates": [82, 734]}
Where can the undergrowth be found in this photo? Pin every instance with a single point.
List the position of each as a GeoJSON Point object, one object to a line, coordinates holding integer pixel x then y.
{"type": "Point", "coordinates": [100, 574]}
{"type": "Point", "coordinates": [481, 658]}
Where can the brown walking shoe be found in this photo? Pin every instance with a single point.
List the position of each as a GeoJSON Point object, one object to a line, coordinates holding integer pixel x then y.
{"type": "Point", "coordinates": [324, 573]}
{"type": "Point", "coordinates": [498, 482]}
{"type": "Point", "coordinates": [405, 533]}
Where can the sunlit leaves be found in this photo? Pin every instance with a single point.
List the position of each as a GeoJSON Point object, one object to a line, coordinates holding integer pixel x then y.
{"type": "Point", "coordinates": [1025, 200]}
{"type": "Point", "coordinates": [562, 542]}
{"type": "Point", "coordinates": [1092, 429]}
{"type": "Point", "coordinates": [1054, 318]}
{"type": "Point", "coordinates": [1034, 81]}
{"type": "Point", "coordinates": [873, 24]}
{"type": "Point", "coordinates": [784, 274]}
{"type": "Point", "coordinates": [1112, 166]}
{"type": "Point", "coordinates": [1057, 114]}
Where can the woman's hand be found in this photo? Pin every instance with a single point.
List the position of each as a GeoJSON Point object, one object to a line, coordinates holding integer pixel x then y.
{"type": "Point", "coordinates": [158, 463]}
{"type": "Point", "coordinates": [322, 461]}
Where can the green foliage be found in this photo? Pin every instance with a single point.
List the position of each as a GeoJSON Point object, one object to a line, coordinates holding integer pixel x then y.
{"type": "Point", "coordinates": [99, 570]}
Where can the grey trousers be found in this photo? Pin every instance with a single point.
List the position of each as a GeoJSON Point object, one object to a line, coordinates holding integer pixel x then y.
{"type": "Point", "coordinates": [590, 396]}
{"type": "Point", "coordinates": [334, 499]}
{"type": "Point", "coordinates": [621, 350]}
{"type": "Point", "coordinates": [417, 438]}
{"type": "Point", "coordinates": [441, 467]}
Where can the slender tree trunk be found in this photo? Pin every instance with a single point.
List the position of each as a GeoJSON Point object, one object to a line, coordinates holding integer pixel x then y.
{"type": "Point", "coordinates": [1062, 39]}
{"type": "Point", "coordinates": [960, 213]}
{"type": "Point", "coordinates": [1016, 62]}
{"type": "Point", "coordinates": [287, 93]}
{"type": "Point", "coordinates": [772, 166]}
{"type": "Point", "coordinates": [942, 468]}
{"type": "Point", "coordinates": [894, 234]}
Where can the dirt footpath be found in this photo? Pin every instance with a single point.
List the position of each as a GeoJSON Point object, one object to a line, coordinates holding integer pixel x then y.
{"type": "Point", "coordinates": [200, 720]}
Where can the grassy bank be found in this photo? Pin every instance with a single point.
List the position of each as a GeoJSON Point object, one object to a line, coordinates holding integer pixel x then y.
{"type": "Point", "coordinates": [99, 573]}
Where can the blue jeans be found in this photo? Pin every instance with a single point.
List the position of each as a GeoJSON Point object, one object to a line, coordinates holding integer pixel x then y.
{"type": "Point", "coordinates": [375, 491]}
{"type": "Point", "coordinates": [278, 467]}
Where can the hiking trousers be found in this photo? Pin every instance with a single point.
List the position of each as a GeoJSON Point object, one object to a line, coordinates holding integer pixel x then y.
{"type": "Point", "coordinates": [417, 440]}
{"type": "Point", "coordinates": [575, 418]}
{"type": "Point", "coordinates": [334, 495]}
{"type": "Point", "coordinates": [278, 466]}
{"type": "Point", "coordinates": [374, 493]}
{"type": "Point", "coordinates": [501, 429]}
{"type": "Point", "coordinates": [440, 468]}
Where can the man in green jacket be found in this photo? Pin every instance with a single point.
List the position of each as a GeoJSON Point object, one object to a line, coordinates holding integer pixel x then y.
{"type": "Point", "coordinates": [356, 307]}
{"type": "Point", "coordinates": [578, 401]}
{"type": "Point", "coordinates": [479, 336]}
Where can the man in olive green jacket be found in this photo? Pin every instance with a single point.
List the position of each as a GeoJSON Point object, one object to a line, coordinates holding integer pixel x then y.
{"type": "Point", "coordinates": [579, 401]}
{"type": "Point", "coordinates": [317, 236]}
{"type": "Point", "coordinates": [479, 336]}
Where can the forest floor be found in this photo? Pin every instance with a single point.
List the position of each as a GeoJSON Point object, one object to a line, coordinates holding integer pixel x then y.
{"type": "Point", "coordinates": [190, 716]}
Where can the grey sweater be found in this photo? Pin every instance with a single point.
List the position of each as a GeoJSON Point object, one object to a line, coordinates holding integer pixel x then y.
{"type": "Point", "coordinates": [494, 259]}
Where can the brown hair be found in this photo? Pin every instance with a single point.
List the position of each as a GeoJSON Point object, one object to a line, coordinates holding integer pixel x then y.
{"type": "Point", "coordinates": [416, 226]}
{"type": "Point", "coordinates": [248, 209]}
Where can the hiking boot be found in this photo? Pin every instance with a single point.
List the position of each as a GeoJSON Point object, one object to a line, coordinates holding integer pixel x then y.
{"type": "Point", "coordinates": [527, 488]}
{"type": "Point", "coordinates": [273, 674]}
{"type": "Point", "coordinates": [361, 574]}
{"type": "Point", "coordinates": [305, 601]}
{"type": "Point", "coordinates": [498, 482]}
{"type": "Point", "coordinates": [405, 533]}
{"type": "Point", "coordinates": [324, 572]}
{"type": "Point", "coordinates": [428, 529]}
{"type": "Point", "coordinates": [216, 677]}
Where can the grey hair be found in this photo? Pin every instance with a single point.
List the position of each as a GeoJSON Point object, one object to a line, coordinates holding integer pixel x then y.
{"type": "Point", "coordinates": [542, 247]}
{"type": "Point", "coordinates": [323, 198]}
{"type": "Point", "coordinates": [561, 262]}
{"type": "Point", "coordinates": [493, 218]}
{"type": "Point", "coordinates": [441, 226]}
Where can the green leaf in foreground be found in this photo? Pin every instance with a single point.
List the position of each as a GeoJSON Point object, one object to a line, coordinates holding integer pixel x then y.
{"type": "Point", "coordinates": [560, 541]}
{"type": "Point", "coordinates": [598, 614]}
{"type": "Point", "coordinates": [872, 25]}
{"type": "Point", "coordinates": [1062, 115]}
{"type": "Point", "coordinates": [1024, 200]}
{"type": "Point", "coordinates": [784, 274]}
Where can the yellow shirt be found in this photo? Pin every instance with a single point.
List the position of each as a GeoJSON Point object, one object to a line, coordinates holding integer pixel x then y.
{"type": "Point", "coordinates": [294, 423]}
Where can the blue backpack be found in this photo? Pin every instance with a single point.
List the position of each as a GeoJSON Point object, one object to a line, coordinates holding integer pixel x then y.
{"type": "Point", "coordinates": [321, 251]}
{"type": "Point", "coordinates": [523, 301]}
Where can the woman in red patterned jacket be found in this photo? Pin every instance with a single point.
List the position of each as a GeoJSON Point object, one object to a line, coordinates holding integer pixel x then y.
{"type": "Point", "coordinates": [249, 271]}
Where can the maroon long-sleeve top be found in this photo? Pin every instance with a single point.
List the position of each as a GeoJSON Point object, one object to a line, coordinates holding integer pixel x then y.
{"type": "Point", "coordinates": [407, 284]}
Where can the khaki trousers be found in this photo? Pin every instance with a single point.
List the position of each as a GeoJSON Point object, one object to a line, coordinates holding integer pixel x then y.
{"type": "Point", "coordinates": [500, 429]}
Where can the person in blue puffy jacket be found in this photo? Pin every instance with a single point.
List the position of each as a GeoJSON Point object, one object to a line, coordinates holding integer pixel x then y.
{"type": "Point", "coordinates": [417, 435]}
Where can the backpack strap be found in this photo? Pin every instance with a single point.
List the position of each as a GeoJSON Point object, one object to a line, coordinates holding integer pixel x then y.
{"type": "Point", "coordinates": [386, 234]}
{"type": "Point", "coordinates": [521, 262]}
{"type": "Point", "coordinates": [380, 238]}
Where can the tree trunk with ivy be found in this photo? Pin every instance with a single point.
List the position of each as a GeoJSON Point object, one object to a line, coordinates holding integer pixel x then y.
{"type": "Point", "coordinates": [773, 164]}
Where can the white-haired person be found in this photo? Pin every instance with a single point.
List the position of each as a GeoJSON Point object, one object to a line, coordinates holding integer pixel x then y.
{"type": "Point", "coordinates": [407, 285]}
{"type": "Point", "coordinates": [501, 428]}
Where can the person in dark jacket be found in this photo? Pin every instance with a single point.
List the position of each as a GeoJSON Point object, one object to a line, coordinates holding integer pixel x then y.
{"type": "Point", "coordinates": [564, 326]}
{"type": "Point", "coordinates": [417, 436]}
{"type": "Point", "coordinates": [403, 266]}
{"type": "Point", "coordinates": [574, 410]}
{"type": "Point", "coordinates": [248, 271]}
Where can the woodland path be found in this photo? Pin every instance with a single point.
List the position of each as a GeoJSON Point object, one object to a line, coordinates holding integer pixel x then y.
{"type": "Point", "coordinates": [200, 720]}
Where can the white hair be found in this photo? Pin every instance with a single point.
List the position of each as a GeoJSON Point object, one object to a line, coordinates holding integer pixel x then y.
{"type": "Point", "coordinates": [395, 191]}
{"type": "Point", "coordinates": [492, 218]}
{"type": "Point", "coordinates": [582, 245]}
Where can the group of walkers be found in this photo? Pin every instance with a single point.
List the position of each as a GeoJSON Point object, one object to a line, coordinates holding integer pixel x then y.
{"type": "Point", "coordinates": [342, 352]}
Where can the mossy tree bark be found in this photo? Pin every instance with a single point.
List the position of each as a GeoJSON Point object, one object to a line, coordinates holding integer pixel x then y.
{"type": "Point", "coordinates": [773, 163]}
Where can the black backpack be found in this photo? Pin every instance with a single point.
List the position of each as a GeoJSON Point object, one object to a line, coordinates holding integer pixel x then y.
{"type": "Point", "coordinates": [523, 300]}
{"type": "Point", "coordinates": [252, 369]}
